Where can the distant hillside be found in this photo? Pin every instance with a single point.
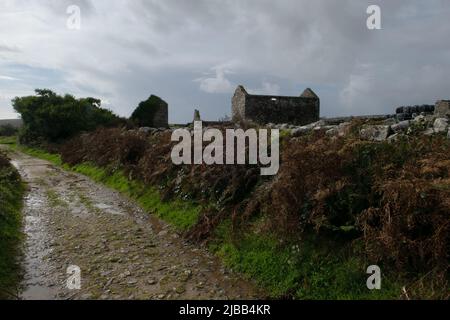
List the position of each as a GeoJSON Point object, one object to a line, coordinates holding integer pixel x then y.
{"type": "Point", "coordinates": [14, 122]}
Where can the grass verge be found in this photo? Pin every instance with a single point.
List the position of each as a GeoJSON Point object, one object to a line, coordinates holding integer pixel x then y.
{"type": "Point", "coordinates": [11, 195]}
{"type": "Point", "coordinates": [311, 271]}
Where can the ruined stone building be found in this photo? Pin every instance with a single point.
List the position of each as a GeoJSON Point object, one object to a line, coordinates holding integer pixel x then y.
{"type": "Point", "coordinates": [153, 112]}
{"type": "Point", "coordinates": [265, 109]}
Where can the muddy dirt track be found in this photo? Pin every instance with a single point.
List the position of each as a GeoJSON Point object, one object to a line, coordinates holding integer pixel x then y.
{"type": "Point", "coordinates": [122, 252]}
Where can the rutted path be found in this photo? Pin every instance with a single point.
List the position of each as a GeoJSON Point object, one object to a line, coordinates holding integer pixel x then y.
{"type": "Point", "coordinates": [123, 253]}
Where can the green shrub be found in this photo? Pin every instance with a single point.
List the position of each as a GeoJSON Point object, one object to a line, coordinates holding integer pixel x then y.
{"type": "Point", "coordinates": [51, 117]}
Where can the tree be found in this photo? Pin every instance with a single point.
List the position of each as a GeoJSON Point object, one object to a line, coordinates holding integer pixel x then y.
{"type": "Point", "coordinates": [51, 117]}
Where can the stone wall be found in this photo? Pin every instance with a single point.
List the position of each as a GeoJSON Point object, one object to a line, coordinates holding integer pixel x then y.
{"type": "Point", "coordinates": [264, 109]}
{"type": "Point", "coordinates": [16, 123]}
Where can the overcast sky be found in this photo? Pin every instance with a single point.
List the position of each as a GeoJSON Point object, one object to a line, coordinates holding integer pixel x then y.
{"type": "Point", "coordinates": [193, 53]}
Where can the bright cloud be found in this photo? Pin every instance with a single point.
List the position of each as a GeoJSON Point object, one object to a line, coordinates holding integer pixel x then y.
{"type": "Point", "coordinates": [217, 84]}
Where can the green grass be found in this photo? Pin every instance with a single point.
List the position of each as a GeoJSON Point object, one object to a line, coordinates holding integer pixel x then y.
{"type": "Point", "coordinates": [8, 140]}
{"type": "Point", "coordinates": [11, 195]}
{"type": "Point", "coordinates": [258, 258]}
{"type": "Point", "coordinates": [310, 270]}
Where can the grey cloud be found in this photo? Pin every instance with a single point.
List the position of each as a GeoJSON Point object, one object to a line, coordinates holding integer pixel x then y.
{"type": "Point", "coordinates": [6, 48]}
{"type": "Point", "coordinates": [193, 52]}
